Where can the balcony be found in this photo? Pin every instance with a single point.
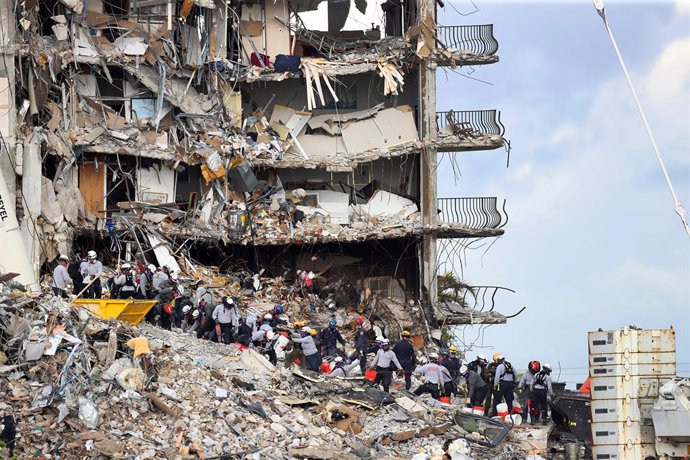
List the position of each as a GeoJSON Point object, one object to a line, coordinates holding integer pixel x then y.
{"type": "Point", "coordinates": [468, 130]}
{"type": "Point", "coordinates": [470, 217]}
{"type": "Point", "coordinates": [467, 45]}
{"type": "Point", "coordinates": [472, 305]}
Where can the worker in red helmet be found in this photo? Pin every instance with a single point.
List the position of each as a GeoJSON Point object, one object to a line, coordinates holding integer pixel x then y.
{"type": "Point", "coordinates": [361, 344]}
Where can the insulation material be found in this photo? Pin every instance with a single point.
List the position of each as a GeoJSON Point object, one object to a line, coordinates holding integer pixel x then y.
{"type": "Point", "coordinates": [336, 204]}
{"type": "Point", "coordinates": [163, 255]}
{"type": "Point", "coordinates": [156, 185]}
{"type": "Point", "coordinates": [132, 46]}
{"type": "Point", "coordinates": [385, 204]}
{"type": "Point", "coordinates": [388, 128]}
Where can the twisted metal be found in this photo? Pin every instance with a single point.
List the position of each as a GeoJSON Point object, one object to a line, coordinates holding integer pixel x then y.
{"type": "Point", "coordinates": [474, 121]}
{"type": "Point", "coordinates": [476, 39]}
{"type": "Point", "coordinates": [475, 212]}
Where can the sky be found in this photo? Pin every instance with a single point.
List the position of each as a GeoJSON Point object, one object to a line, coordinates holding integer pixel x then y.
{"type": "Point", "coordinates": [592, 239]}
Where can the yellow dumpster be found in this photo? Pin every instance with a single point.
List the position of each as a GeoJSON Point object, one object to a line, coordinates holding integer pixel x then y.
{"type": "Point", "coordinates": [127, 310]}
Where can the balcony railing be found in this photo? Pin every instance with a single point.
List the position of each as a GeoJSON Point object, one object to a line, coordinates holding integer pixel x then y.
{"type": "Point", "coordinates": [477, 39]}
{"type": "Point", "coordinates": [472, 121]}
{"type": "Point", "coordinates": [475, 212]}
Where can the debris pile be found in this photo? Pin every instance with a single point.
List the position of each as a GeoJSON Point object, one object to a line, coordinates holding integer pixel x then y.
{"type": "Point", "coordinates": [79, 386]}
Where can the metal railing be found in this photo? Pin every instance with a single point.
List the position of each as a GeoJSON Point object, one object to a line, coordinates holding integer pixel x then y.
{"type": "Point", "coordinates": [472, 121]}
{"type": "Point", "coordinates": [476, 39]}
{"type": "Point", "coordinates": [475, 212]}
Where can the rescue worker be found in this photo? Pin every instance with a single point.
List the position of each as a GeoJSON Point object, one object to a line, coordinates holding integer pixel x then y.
{"type": "Point", "coordinates": [203, 292]}
{"type": "Point", "coordinates": [341, 369]}
{"type": "Point", "coordinates": [489, 376]}
{"type": "Point", "coordinates": [187, 320]}
{"type": "Point", "coordinates": [452, 364]}
{"type": "Point", "coordinates": [383, 365]}
{"type": "Point", "coordinates": [225, 317]}
{"type": "Point", "coordinates": [61, 278]}
{"type": "Point", "coordinates": [329, 337]}
{"type": "Point", "coordinates": [159, 278]}
{"type": "Point", "coordinates": [476, 386]}
{"type": "Point", "coordinates": [91, 270]}
{"type": "Point", "coordinates": [448, 384]}
{"type": "Point", "coordinates": [524, 387]}
{"type": "Point", "coordinates": [124, 284]}
{"type": "Point", "coordinates": [504, 383]}
{"type": "Point", "coordinates": [361, 344]}
{"type": "Point", "coordinates": [276, 312]}
{"type": "Point", "coordinates": [479, 364]}
{"type": "Point", "coordinates": [244, 332]}
{"type": "Point", "coordinates": [311, 352]}
{"type": "Point", "coordinates": [433, 376]}
{"type": "Point", "coordinates": [404, 350]}
{"type": "Point", "coordinates": [181, 302]}
{"type": "Point", "coordinates": [455, 364]}
{"type": "Point", "coordinates": [164, 307]}
{"type": "Point", "coordinates": [541, 388]}
{"type": "Point", "coordinates": [266, 326]}
{"type": "Point", "coordinates": [146, 290]}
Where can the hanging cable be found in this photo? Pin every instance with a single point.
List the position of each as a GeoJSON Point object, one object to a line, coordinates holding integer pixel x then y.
{"type": "Point", "coordinates": [680, 210]}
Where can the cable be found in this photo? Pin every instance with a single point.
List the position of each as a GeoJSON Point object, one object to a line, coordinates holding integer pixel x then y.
{"type": "Point", "coordinates": [680, 210]}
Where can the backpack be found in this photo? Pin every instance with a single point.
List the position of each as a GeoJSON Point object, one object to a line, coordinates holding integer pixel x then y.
{"type": "Point", "coordinates": [129, 280]}
{"type": "Point", "coordinates": [508, 367]}
{"type": "Point", "coordinates": [540, 378]}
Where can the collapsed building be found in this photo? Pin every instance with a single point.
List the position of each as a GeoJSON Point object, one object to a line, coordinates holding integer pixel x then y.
{"type": "Point", "coordinates": [261, 136]}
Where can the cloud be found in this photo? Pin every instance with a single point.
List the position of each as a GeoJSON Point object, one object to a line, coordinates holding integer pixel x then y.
{"type": "Point", "coordinates": [683, 7]}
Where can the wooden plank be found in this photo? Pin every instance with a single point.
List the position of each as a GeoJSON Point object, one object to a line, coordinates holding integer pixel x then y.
{"type": "Point", "coordinates": [92, 186]}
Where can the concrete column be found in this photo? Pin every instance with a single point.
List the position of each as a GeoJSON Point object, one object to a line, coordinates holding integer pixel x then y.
{"type": "Point", "coordinates": [428, 167]}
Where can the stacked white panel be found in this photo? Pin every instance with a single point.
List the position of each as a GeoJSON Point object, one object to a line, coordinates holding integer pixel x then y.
{"type": "Point", "coordinates": [627, 367]}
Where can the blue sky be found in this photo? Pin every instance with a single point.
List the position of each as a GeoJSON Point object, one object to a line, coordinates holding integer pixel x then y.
{"type": "Point", "coordinates": [593, 240]}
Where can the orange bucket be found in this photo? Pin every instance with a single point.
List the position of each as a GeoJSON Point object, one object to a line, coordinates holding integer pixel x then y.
{"type": "Point", "coordinates": [444, 399]}
{"type": "Point", "coordinates": [370, 375]}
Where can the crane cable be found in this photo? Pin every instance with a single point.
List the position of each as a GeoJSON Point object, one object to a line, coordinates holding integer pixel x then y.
{"type": "Point", "coordinates": [680, 210]}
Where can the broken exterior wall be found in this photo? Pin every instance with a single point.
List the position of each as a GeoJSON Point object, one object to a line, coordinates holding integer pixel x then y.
{"type": "Point", "coordinates": [162, 119]}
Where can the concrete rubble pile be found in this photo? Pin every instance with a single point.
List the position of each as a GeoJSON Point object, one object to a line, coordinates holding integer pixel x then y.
{"type": "Point", "coordinates": [82, 387]}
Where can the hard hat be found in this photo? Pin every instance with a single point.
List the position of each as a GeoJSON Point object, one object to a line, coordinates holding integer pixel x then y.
{"type": "Point", "coordinates": [333, 323]}
{"type": "Point", "coordinates": [195, 313]}
{"type": "Point", "coordinates": [91, 254]}
{"type": "Point", "coordinates": [151, 267]}
{"type": "Point", "coordinates": [229, 301]}
{"type": "Point", "coordinates": [268, 316]}
{"type": "Point", "coordinates": [385, 341]}
{"type": "Point", "coordinates": [338, 359]}
{"type": "Point", "coordinates": [547, 366]}
{"type": "Point", "coordinates": [359, 320]}
{"type": "Point", "coordinates": [306, 329]}
{"type": "Point", "coordinates": [497, 356]}
{"type": "Point", "coordinates": [279, 309]}
{"type": "Point", "coordinates": [186, 309]}
{"type": "Point", "coordinates": [313, 331]}
{"type": "Point", "coordinates": [481, 357]}
{"type": "Point", "coordinates": [311, 275]}
{"type": "Point", "coordinates": [463, 369]}
{"type": "Point", "coordinates": [433, 355]}
{"type": "Point", "coordinates": [64, 257]}
{"type": "Point", "coordinates": [453, 349]}
{"type": "Point", "coordinates": [126, 266]}
{"type": "Point", "coordinates": [379, 338]}
{"type": "Point", "coordinates": [424, 360]}
{"type": "Point", "coordinates": [270, 335]}
{"type": "Point", "coordinates": [301, 323]}
{"type": "Point", "coordinates": [445, 351]}
{"type": "Point", "coordinates": [406, 333]}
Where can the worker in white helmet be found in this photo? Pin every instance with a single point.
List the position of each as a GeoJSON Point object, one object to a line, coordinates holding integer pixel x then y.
{"type": "Point", "coordinates": [60, 277]}
{"type": "Point", "coordinates": [91, 270]}
{"type": "Point", "coordinates": [146, 290]}
{"type": "Point", "coordinates": [125, 285]}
